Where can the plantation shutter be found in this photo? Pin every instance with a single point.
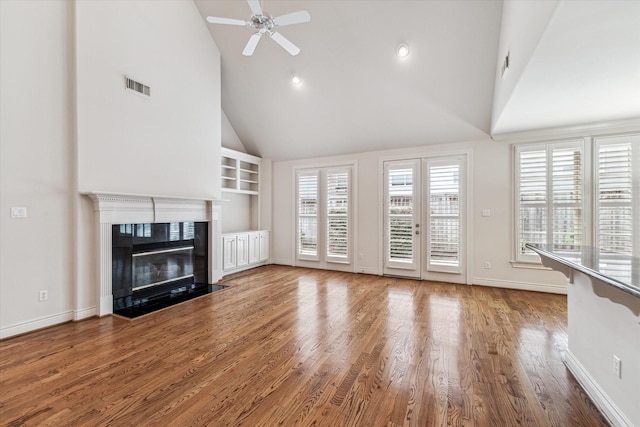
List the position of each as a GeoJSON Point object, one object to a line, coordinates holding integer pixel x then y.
{"type": "Point", "coordinates": [566, 188]}
{"type": "Point", "coordinates": [532, 198]}
{"type": "Point", "coordinates": [444, 215]}
{"type": "Point", "coordinates": [337, 208]}
{"type": "Point", "coordinates": [615, 197]}
{"type": "Point", "coordinates": [550, 197]}
{"type": "Point", "coordinates": [307, 195]}
{"type": "Point", "coordinates": [400, 215]}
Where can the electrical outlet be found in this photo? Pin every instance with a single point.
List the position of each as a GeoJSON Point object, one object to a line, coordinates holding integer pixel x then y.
{"type": "Point", "coordinates": [487, 264]}
{"type": "Point", "coordinates": [43, 295]}
{"type": "Point", "coordinates": [617, 366]}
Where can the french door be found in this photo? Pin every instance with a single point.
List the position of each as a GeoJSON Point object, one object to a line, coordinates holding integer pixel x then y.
{"type": "Point", "coordinates": [402, 214]}
{"type": "Point", "coordinates": [323, 230]}
{"type": "Point", "coordinates": [425, 218]}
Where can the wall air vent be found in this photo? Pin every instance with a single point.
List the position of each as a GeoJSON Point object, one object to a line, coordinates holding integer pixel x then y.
{"type": "Point", "coordinates": [137, 87]}
{"type": "Point", "coordinates": [505, 64]}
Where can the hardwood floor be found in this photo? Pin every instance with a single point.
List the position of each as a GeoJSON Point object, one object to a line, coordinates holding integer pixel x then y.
{"type": "Point", "coordinates": [287, 346]}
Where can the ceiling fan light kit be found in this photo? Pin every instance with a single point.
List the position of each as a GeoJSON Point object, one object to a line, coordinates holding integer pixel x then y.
{"type": "Point", "coordinates": [265, 24]}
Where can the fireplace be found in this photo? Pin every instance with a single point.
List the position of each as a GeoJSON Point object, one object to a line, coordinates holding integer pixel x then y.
{"type": "Point", "coordinates": [152, 249]}
{"type": "Point", "coordinates": [156, 262]}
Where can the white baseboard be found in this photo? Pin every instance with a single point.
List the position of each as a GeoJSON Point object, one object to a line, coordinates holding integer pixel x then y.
{"type": "Point", "coordinates": [217, 276]}
{"type": "Point", "coordinates": [85, 313]}
{"type": "Point", "coordinates": [523, 286]}
{"type": "Point", "coordinates": [106, 305]}
{"type": "Point", "coordinates": [287, 262]}
{"type": "Point", "coordinates": [32, 325]}
{"type": "Point", "coordinates": [609, 409]}
{"type": "Point", "coordinates": [366, 270]}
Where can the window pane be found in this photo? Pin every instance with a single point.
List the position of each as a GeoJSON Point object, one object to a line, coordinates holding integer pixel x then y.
{"type": "Point", "coordinates": [532, 196]}
{"type": "Point", "coordinates": [567, 198]}
{"type": "Point", "coordinates": [400, 215]}
{"type": "Point", "coordinates": [308, 214]}
{"type": "Point", "coordinates": [615, 221]}
{"type": "Point", "coordinates": [444, 215]}
{"type": "Point", "coordinates": [338, 214]}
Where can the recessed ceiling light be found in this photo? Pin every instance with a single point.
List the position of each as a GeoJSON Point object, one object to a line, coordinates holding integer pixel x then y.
{"type": "Point", "coordinates": [296, 80]}
{"type": "Point", "coordinates": [402, 50]}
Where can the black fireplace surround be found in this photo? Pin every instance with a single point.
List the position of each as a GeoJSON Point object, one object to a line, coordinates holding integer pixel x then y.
{"type": "Point", "coordinates": [158, 264]}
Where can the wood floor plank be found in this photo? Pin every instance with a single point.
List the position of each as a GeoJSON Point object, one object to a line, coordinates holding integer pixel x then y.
{"type": "Point", "coordinates": [286, 346]}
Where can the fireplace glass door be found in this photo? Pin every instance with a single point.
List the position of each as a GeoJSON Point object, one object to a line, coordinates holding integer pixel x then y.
{"type": "Point", "coordinates": [157, 267]}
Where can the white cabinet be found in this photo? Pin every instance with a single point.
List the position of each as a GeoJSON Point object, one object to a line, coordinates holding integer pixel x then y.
{"type": "Point", "coordinates": [264, 246]}
{"type": "Point", "coordinates": [229, 254]}
{"type": "Point", "coordinates": [244, 250]}
{"type": "Point", "coordinates": [254, 247]}
{"type": "Point", "coordinates": [242, 245]}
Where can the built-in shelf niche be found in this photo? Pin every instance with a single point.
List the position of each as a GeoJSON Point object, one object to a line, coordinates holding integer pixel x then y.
{"type": "Point", "coordinates": [240, 172]}
{"type": "Point", "coordinates": [240, 181]}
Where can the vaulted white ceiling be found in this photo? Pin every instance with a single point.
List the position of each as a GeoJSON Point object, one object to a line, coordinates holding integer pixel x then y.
{"type": "Point", "coordinates": [583, 70]}
{"type": "Point", "coordinates": [358, 96]}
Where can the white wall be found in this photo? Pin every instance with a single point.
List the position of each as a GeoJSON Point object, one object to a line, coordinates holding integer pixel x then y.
{"type": "Point", "coordinates": [236, 212]}
{"type": "Point", "coordinates": [37, 169]}
{"type": "Point", "coordinates": [169, 143]}
{"type": "Point", "coordinates": [117, 143]}
{"type": "Point", "coordinates": [230, 138]}
{"type": "Point", "coordinates": [523, 24]}
{"type": "Point", "coordinates": [490, 237]}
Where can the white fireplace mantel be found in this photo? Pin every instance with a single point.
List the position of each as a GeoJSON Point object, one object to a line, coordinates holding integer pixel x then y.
{"type": "Point", "coordinates": [112, 208]}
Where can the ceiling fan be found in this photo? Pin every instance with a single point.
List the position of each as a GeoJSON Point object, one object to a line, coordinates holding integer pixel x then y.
{"type": "Point", "coordinates": [266, 25]}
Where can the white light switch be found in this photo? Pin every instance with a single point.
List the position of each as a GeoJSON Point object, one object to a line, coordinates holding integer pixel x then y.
{"type": "Point", "coordinates": [486, 212]}
{"type": "Point", "coordinates": [18, 212]}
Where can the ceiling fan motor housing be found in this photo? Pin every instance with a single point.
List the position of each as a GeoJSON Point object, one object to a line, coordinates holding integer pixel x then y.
{"type": "Point", "coordinates": [263, 22]}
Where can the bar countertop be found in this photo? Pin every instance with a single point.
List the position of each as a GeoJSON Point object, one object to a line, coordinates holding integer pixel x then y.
{"type": "Point", "coordinates": [617, 270]}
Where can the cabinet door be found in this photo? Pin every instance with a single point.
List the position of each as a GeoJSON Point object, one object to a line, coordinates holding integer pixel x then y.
{"type": "Point", "coordinates": [242, 242]}
{"type": "Point", "coordinates": [254, 248]}
{"type": "Point", "coordinates": [228, 252]}
{"type": "Point", "coordinates": [264, 245]}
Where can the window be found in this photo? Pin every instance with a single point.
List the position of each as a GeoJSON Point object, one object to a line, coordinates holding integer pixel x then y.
{"type": "Point", "coordinates": [323, 214]}
{"type": "Point", "coordinates": [553, 206]}
{"type": "Point", "coordinates": [549, 197]}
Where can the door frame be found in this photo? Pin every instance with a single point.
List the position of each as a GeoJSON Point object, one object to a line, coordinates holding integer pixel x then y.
{"type": "Point", "coordinates": [467, 244]}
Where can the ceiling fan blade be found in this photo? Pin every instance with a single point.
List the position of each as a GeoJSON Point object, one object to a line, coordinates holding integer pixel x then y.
{"type": "Point", "coordinates": [255, 7]}
{"type": "Point", "coordinates": [286, 44]}
{"type": "Point", "coordinates": [292, 18]}
{"type": "Point", "coordinates": [251, 44]}
{"type": "Point", "coordinates": [228, 21]}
